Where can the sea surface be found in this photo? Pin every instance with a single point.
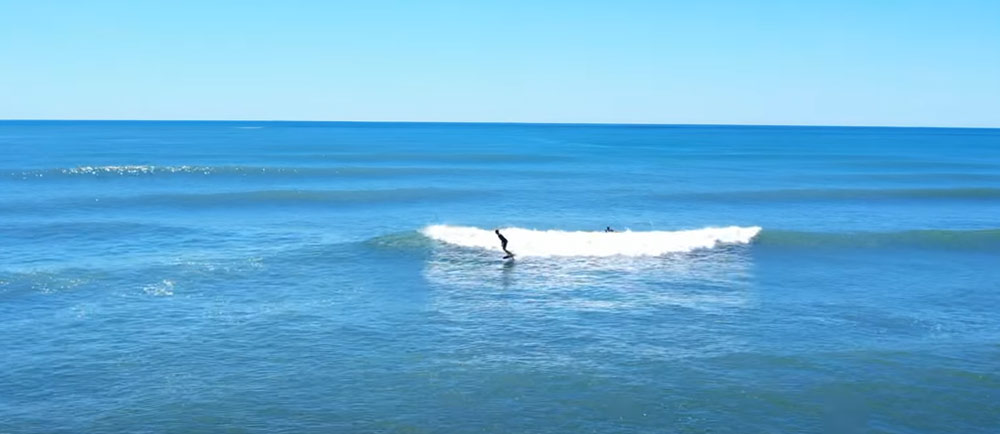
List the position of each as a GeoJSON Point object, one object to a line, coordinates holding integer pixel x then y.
{"type": "Point", "coordinates": [314, 277]}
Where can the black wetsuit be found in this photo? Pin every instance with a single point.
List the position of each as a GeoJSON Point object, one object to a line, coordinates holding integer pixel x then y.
{"type": "Point", "coordinates": [503, 245]}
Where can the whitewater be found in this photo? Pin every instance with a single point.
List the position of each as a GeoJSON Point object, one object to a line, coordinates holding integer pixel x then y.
{"type": "Point", "coordinates": [547, 243]}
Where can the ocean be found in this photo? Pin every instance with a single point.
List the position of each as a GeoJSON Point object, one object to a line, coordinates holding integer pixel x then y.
{"type": "Point", "coordinates": [318, 277]}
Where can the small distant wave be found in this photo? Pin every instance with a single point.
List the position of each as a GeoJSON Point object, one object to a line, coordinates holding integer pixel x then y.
{"type": "Point", "coordinates": [13, 284]}
{"type": "Point", "coordinates": [424, 157]}
{"type": "Point", "coordinates": [128, 170]}
{"type": "Point", "coordinates": [252, 198]}
{"type": "Point", "coordinates": [925, 164]}
{"type": "Point", "coordinates": [295, 197]}
{"type": "Point", "coordinates": [164, 288]}
{"type": "Point", "coordinates": [791, 195]}
{"type": "Point", "coordinates": [227, 171]}
{"type": "Point", "coordinates": [921, 177]}
{"type": "Point", "coordinates": [529, 242]}
{"type": "Point", "coordinates": [982, 239]}
{"type": "Point", "coordinates": [90, 231]}
{"type": "Point", "coordinates": [107, 171]}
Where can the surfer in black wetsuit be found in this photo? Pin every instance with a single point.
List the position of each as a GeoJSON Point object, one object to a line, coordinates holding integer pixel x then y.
{"type": "Point", "coordinates": [608, 229]}
{"type": "Point", "coordinates": [503, 245]}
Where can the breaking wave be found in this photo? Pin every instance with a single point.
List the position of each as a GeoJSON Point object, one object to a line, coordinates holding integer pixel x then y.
{"type": "Point", "coordinates": [524, 242]}
{"type": "Point", "coordinates": [530, 242]}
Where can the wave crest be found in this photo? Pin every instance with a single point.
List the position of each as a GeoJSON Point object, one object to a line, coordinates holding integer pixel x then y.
{"type": "Point", "coordinates": [530, 242]}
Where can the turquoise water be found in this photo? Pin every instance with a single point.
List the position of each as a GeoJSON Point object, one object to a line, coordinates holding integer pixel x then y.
{"type": "Point", "coordinates": [333, 277]}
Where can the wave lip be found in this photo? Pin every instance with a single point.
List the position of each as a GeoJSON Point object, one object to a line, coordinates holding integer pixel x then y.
{"type": "Point", "coordinates": [530, 242]}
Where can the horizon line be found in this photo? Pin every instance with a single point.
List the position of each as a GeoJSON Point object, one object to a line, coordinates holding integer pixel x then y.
{"type": "Point", "coordinates": [499, 123]}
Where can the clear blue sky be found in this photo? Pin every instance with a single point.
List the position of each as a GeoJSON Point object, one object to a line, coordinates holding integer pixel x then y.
{"type": "Point", "coordinates": [848, 62]}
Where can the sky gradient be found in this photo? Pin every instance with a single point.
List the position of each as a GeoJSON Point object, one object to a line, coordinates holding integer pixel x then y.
{"type": "Point", "coordinates": [896, 63]}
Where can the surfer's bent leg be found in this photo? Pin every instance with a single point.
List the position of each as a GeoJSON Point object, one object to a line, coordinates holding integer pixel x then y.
{"type": "Point", "coordinates": [503, 244]}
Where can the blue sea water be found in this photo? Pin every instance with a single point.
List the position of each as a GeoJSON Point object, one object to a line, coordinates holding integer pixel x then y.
{"type": "Point", "coordinates": [313, 277]}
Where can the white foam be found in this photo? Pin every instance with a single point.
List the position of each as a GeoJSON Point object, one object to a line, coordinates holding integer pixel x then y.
{"type": "Point", "coordinates": [529, 242]}
{"type": "Point", "coordinates": [131, 170]}
{"type": "Point", "coordinates": [162, 289]}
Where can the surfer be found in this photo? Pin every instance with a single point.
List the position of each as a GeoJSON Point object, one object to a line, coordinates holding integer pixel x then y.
{"type": "Point", "coordinates": [608, 229]}
{"type": "Point", "coordinates": [503, 245]}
